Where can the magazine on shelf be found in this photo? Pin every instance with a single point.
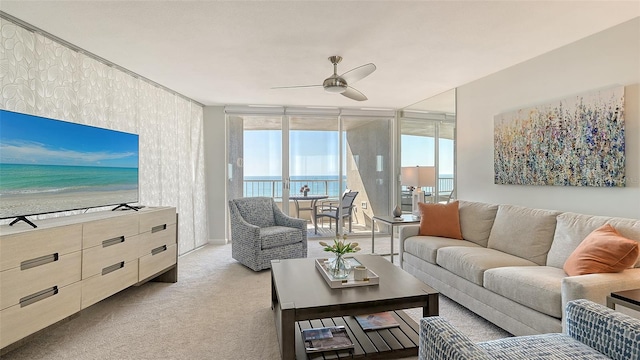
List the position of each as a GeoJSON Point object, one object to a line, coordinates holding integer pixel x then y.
{"type": "Point", "coordinates": [377, 321]}
{"type": "Point", "coordinates": [326, 339]}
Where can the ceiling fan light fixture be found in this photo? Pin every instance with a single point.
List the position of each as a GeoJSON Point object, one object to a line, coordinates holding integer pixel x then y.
{"type": "Point", "coordinates": [339, 84]}
{"type": "Point", "coordinates": [335, 85]}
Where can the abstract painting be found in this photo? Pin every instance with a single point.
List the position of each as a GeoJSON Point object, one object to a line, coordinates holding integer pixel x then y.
{"type": "Point", "coordinates": [576, 141]}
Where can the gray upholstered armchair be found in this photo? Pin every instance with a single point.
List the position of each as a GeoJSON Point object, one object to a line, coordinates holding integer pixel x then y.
{"type": "Point", "coordinates": [261, 232]}
{"type": "Point", "coordinates": [593, 331]}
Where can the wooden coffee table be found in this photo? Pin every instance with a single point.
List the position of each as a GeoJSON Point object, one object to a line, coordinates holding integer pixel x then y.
{"type": "Point", "coordinates": [301, 298]}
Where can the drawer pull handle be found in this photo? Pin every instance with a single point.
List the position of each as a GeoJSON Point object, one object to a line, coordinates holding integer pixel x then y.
{"type": "Point", "coordinates": [158, 228]}
{"type": "Point", "coordinates": [158, 250]}
{"type": "Point", "coordinates": [28, 264]}
{"type": "Point", "coordinates": [112, 268]}
{"type": "Point", "coordinates": [40, 295]}
{"type": "Point", "coordinates": [114, 241]}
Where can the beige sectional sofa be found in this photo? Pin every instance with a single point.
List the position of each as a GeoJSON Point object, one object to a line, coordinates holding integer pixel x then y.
{"type": "Point", "coordinates": [508, 268]}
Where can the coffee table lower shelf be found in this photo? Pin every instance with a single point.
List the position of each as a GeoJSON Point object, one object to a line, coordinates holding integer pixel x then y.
{"type": "Point", "coordinates": [396, 342]}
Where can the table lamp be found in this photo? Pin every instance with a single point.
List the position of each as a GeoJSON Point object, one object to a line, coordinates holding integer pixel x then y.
{"type": "Point", "coordinates": [426, 177]}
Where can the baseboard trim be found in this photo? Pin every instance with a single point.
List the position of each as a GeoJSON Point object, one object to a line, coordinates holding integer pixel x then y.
{"type": "Point", "coordinates": [218, 241]}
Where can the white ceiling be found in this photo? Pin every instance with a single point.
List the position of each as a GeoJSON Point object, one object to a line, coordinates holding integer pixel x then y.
{"type": "Point", "coordinates": [233, 52]}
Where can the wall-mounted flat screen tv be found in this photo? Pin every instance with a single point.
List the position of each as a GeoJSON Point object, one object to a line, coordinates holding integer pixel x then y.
{"type": "Point", "coordinates": [49, 165]}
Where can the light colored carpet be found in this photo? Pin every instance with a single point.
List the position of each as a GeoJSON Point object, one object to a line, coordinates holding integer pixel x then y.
{"type": "Point", "coordinates": [218, 309]}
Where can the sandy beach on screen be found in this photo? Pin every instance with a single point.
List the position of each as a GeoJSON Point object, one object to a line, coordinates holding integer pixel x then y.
{"type": "Point", "coordinates": [25, 204]}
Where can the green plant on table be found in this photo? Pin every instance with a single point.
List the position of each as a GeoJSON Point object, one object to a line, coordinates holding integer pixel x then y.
{"type": "Point", "coordinates": [339, 267]}
{"type": "Point", "coordinates": [340, 246]}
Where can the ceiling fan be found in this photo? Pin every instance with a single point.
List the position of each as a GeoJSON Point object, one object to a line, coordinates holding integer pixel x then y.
{"type": "Point", "coordinates": [341, 84]}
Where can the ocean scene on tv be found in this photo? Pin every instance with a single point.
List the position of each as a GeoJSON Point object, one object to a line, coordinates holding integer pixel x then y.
{"type": "Point", "coordinates": [50, 165]}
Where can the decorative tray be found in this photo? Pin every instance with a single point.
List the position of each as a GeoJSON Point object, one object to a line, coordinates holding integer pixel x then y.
{"type": "Point", "coordinates": [371, 279]}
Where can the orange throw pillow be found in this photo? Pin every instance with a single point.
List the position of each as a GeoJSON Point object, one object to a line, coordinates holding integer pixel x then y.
{"type": "Point", "coordinates": [602, 251]}
{"type": "Point", "coordinates": [440, 220]}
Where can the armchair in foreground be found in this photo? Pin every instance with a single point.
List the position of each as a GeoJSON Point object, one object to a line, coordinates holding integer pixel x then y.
{"type": "Point", "coordinates": [593, 331]}
{"type": "Point", "coordinates": [261, 232]}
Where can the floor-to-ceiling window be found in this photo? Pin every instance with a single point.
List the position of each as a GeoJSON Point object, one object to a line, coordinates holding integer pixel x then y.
{"type": "Point", "coordinates": [277, 152]}
{"type": "Point", "coordinates": [427, 150]}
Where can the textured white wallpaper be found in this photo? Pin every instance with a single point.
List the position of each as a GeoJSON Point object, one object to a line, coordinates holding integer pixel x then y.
{"type": "Point", "coordinates": [41, 77]}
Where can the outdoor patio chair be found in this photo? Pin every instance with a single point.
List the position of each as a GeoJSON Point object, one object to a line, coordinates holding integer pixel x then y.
{"type": "Point", "coordinates": [261, 232]}
{"type": "Point", "coordinates": [333, 200]}
{"type": "Point", "coordinates": [331, 211]}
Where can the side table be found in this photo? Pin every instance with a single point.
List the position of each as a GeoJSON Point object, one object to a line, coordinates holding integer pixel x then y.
{"type": "Point", "coordinates": [628, 298]}
{"type": "Point", "coordinates": [392, 221]}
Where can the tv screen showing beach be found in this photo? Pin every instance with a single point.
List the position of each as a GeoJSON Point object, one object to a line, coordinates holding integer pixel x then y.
{"type": "Point", "coordinates": [50, 165]}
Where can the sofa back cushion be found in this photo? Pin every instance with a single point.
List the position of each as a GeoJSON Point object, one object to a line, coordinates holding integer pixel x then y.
{"type": "Point", "coordinates": [572, 228]}
{"type": "Point", "coordinates": [523, 232]}
{"type": "Point", "coordinates": [476, 220]}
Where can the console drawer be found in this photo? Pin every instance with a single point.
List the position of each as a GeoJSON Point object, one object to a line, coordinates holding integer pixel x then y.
{"type": "Point", "coordinates": [33, 276]}
{"type": "Point", "coordinates": [157, 261]}
{"type": "Point", "coordinates": [95, 232]}
{"type": "Point", "coordinates": [151, 240]}
{"type": "Point", "coordinates": [18, 321]}
{"type": "Point", "coordinates": [16, 248]}
{"type": "Point", "coordinates": [111, 251]}
{"type": "Point", "coordinates": [156, 219]}
{"type": "Point", "coordinates": [110, 280]}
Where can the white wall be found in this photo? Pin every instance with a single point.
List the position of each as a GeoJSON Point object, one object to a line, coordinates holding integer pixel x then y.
{"type": "Point", "coordinates": [215, 173]}
{"type": "Point", "coordinates": [608, 58]}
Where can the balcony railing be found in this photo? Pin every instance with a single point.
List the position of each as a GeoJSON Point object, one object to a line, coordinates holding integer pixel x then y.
{"type": "Point", "coordinates": [330, 187]}
{"type": "Point", "coordinates": [273, 188]}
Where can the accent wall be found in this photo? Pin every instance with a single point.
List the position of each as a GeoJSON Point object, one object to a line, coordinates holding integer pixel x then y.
{"type": "Point", "coordinates": [605, 59]}
{"type": "Point", "coordinates": [42, 77]}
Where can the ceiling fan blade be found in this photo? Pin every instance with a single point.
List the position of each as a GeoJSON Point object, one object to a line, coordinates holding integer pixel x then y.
{"type": "Point", "coordinates": [354, 94]}
{"type": "Point", "coordinates": [358, 73]}
{"type": "Point", "coordinates": [298, 86]}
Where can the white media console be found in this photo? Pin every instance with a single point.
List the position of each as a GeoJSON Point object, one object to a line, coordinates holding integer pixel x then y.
{"type": "Point", "coordinates": [70, 263]}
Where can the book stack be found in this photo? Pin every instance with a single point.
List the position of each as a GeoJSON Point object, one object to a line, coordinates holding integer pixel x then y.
{"type": "Point", "coordinates": [330, 338]}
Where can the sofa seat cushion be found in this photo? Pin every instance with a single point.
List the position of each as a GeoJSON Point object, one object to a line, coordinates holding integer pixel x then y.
{"type": "Point", "coordinates": [426, 247]}
{"type": "Point", "coordinates": [471, 262]}
{"type": "Point", "coordinates": [523, 232]}
{"type": "Point", "coordinates": [275, 236]}
{"type": "Point", "coordinates": [536, 287]}
{"type": "Point", "coordinates": [545, 346]}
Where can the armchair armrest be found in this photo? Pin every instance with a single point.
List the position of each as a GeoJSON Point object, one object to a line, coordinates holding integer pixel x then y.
{"type": "Point", "coordinates": [243, 231]}
{"type": "Point", "coordinates": [288, 221]}
{"type": "Point", "coordinates": [440, 340]}
{"type": "Point", "coordinates": [605, 330]}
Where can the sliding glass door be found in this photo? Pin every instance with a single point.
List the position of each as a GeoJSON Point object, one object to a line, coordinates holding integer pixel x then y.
{"type": "Point", "coordinates": [314, 145]}
{"type": "Point", "coordinates": [254, 152]}
{"type": "Point", "coordinates": [277, 155]}
{"type": "Point", "coordinates": [428, 152]}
